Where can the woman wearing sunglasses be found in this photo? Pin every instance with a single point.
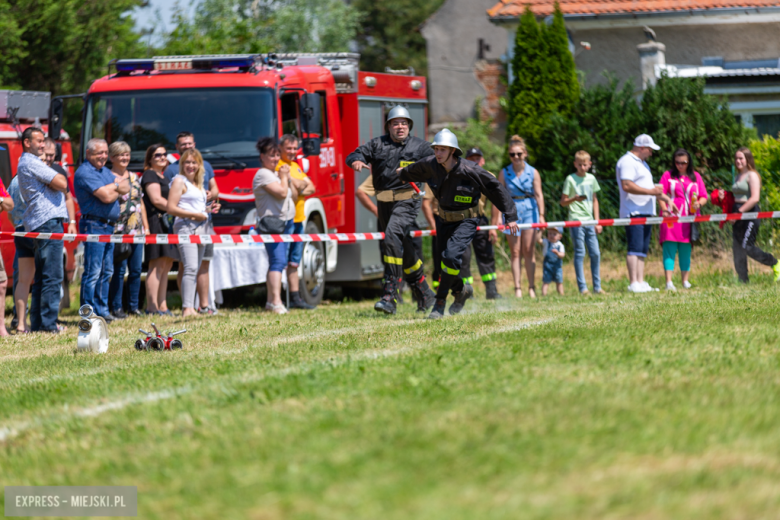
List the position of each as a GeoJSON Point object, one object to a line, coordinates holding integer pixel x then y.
{"type": "Point", "coordinates": [686, 188]}
{"type": "Point", "coordinates": [159, 256]}
{"type": "Point", "coordinates": [525, 185]}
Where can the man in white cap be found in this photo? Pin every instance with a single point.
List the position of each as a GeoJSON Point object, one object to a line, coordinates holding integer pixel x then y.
{"type": "Point", "coordinates": [637, 199]}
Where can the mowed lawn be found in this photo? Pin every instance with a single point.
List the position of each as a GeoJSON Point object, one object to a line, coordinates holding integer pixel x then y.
{"type": "Point", "coordinates": [625, 406]}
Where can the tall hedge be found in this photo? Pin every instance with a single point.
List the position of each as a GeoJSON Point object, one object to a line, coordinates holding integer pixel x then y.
{"type": "Point", "coordinates": [544, 78]}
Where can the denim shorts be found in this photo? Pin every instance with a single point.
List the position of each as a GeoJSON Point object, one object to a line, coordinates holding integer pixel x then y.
{"type": "Point", "coordinates": [277, 252]}
{"type": "Point", "coordinates": [296, 248]}
{"type": "Point", "coordinates": [552, 273]}
{"type": "Point", "coordinates": [638, 238]}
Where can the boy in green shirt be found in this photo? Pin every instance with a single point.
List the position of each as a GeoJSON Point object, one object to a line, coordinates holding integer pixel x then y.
{"type": "Point", "coordinates": [579, 195]}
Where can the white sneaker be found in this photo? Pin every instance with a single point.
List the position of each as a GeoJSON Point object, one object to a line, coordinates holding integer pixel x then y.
{"type": "Point", "coordinates": [670, 286]}
{"type": "Point", "coordinates": [648, 288]}
{"type": "Point", "coordinates": [278, 309]}
{"type": "Point", "coordinates": [637, 287]}
{"type": "Point", "coordinates": [687, 284]}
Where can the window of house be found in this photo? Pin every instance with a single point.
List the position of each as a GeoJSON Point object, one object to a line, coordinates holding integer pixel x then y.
{"type": "Point", "coordinates": [767, 124]}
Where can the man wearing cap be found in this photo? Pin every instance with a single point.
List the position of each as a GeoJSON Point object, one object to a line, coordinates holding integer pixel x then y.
{"type": "Point", "coordinates": [483, 240]}
{"type": "Point", "coordinates": [397, 206]}
{"type": "Point", "coordinates": [457, 185]}
{"type": "Point", "coordinates": [637, 199]}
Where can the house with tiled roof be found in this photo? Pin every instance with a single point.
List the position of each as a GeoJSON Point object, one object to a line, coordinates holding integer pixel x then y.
{"type": "Point", "coordinates": [735, 44]}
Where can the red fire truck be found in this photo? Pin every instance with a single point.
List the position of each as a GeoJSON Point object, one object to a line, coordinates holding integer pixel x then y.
{"type": "Point", "coordinates": [20, 109]}
{"type": "Point", "coordinates": [229, 101]}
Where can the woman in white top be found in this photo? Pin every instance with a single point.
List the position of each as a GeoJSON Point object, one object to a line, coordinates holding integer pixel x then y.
{"type": "Point", "coordinates": [187, 202]}
{"type": "Point", "coordinates": [275, 197]}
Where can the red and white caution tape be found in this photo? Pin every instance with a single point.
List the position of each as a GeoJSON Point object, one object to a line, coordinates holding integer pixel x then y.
{"type": "Point", "coordinates": [355, 237]}
{"type": "Point", "coordinates": [616, 222]}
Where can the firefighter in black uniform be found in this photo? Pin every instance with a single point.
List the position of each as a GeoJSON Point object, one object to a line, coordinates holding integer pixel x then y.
{"type": "Point", "coordinates": [482, 244]}
{"type": "Point", "coordinates": [457, 185]}
{"type": "Point", "coordinates": [397, 205]}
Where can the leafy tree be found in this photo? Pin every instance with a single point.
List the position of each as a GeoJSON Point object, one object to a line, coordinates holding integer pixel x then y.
{"type": "Point", "coordinates": [389, 33]}
{"type": "Point", "coordinates": [478, 133]}
{"type": "Point", "coordinates": [678, 114]}
{"type": "Point", "coordinates": [248, 26]}
{"type": "Point", "coordinates": [61, 46]}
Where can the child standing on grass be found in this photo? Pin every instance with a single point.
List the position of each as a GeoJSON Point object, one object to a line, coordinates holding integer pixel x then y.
{"type": "Point", "coordinates": [579, 195]}
{"type": "Point", "coordinates": [553, 253]}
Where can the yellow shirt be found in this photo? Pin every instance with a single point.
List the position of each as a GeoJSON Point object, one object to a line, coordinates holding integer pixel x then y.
{"type": "Point", "coordinates": [296, 173]}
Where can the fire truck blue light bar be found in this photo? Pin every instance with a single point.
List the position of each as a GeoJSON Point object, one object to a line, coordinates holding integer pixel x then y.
{"type": "Point", "coordinates": [174, 63]}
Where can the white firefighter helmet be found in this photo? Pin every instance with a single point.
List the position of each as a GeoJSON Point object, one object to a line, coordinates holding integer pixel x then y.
{"type": "Point", "coordinates": [399, 112]}
{"type": "Point", "coordinates": [447, 138]}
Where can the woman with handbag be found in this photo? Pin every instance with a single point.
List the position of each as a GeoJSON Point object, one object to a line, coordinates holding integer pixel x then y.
{"type": "Point", "coordinates": [525, 185]}
{"type": "Point", "coordinates": [132, 221]}
{"type": "Point", "coordinates": [187, 202]}
{"type": "Point", "coordinates": [160, 257]}
{"type": "Point", "coordinates": [686, 188]}
{"type": "Point", "coordinates": [275, 197]}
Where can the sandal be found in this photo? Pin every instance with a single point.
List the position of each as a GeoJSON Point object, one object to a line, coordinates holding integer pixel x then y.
{"type": "Point", "coordinates": [532, 292]}
{"type": "Point", "coordinates": [518, 292]}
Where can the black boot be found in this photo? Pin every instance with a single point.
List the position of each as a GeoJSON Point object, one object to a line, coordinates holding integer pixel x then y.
{"type": "Point", "coordinates": [296, 302]}
{"type": "Point", "coordinates": [387, 303]}
{"type": "Point", "coordinates": [491, 291]}
{"type": "Point", "coordinates": [423, 295]}
{"type": "Point", "coordinates": [460, 298]}
{"type": "Point", "coordinates": [438, 310]}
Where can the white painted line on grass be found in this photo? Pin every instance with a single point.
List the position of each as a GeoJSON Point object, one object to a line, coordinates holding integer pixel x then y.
{"type": "Point", "coordinates": [13, 430]}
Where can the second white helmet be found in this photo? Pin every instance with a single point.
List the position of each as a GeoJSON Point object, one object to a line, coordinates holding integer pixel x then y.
{"type": "Point", "coordinates": [447, 138]}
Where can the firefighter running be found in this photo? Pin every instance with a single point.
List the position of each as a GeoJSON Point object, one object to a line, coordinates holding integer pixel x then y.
{"type": "Point", "coordinates": [457, 185]}
{"type": "Point", "coordinates": [397, 205]}
{"type": "Point", "coordinates": [482, 244]}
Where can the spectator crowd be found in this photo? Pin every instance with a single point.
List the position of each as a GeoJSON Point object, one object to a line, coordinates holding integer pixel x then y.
{"type": "Point", "coordinates": [182, 196]}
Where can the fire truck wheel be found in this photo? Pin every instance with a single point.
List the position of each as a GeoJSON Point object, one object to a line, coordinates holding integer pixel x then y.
{"type": "Point", "coordinates": [312, 270]}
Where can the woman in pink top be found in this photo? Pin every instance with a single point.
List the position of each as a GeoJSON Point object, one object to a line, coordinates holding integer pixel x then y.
{"type": "Point", "coordinates": [683, 185]}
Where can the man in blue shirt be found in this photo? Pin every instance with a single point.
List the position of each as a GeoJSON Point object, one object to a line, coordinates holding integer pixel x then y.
{"type": "Point", "coordinates": [97, 191]}
{"type": "Point", "coordinates": [185, 141]}
{"type": "Point", "coordinates": [43, 189]}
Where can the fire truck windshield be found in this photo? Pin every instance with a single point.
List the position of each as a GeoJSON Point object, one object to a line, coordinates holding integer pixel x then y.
{"type": "Point", "coordinates": [226, 122]}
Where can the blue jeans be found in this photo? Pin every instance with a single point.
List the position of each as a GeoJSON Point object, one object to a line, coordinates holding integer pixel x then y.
{"type": "Point", "coordinates": [296, 248]}
{"type": "Point", "coordinates": [583, 237]}
{"type": "Point", "coordinates": [45, 305]}
{"type": "Point", "coordinates": [277, 252]}
{"type": "Point", "coordinates": [133, 263]}
{"type": "Point", "coordinates": [98, 267]}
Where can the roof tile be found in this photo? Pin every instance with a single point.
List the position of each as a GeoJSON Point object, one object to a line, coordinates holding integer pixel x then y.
{"type": "Point", "coordinates": [514, 8]}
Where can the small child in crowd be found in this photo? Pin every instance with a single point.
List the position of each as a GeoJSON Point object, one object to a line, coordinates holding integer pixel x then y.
{"type": "Point", "coordinates": [553, 253]}
{"type": "Point", "coordinates": [579, 195]}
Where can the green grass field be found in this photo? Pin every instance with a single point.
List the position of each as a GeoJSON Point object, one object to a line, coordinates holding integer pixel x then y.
{"type": "Point", "coordinates": [625, 406]}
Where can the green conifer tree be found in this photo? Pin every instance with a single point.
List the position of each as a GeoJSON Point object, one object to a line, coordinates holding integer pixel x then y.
{"type": "Point", "coordinates": [544, 79]}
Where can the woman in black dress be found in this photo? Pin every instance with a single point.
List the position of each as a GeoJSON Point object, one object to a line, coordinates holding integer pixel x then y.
{"type": "Point", "coordinates": [159, 256]}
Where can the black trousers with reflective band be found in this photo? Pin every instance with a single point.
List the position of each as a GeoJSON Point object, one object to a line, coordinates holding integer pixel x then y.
{"type": "Point", "coordinates": [744, 234]}
{"type": "Point", "coordinates": [453, 239]}
{"type": "Point", "coordinates": [483, 250]}
{"type": "Point", "coordinates": [396, 220]}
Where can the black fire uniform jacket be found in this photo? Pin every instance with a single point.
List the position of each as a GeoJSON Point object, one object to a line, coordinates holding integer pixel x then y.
{"type": "Point", "coordinates": [385, 156]}
{"type": "Point", "coordinates": [458, 190]}
{"type": "Point", "coordinates": [396, 218]}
